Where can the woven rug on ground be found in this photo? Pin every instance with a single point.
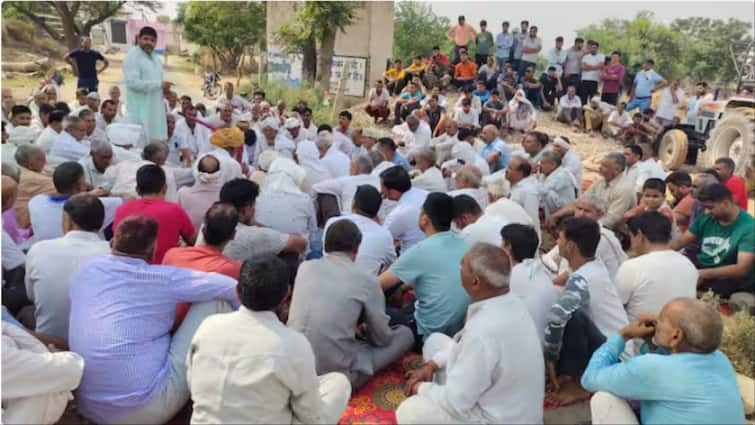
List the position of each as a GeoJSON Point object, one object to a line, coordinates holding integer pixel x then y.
{"type": "Point", "coordinates": [376, 402]}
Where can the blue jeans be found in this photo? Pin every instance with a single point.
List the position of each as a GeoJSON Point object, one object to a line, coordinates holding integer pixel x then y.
{"type": "Point", "coordinates": [90, 84]}
{"type": "Point", "coordinates": [642, 102]}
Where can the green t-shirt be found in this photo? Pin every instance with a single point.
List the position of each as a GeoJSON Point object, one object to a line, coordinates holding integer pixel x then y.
{"type": "Point", "coordinates": [484, 43]}
{"type": "Point", "coordinates": [720, 245]}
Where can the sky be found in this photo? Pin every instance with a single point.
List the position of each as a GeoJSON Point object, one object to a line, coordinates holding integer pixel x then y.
{"type": "Point", "coordinates": [554, 18]}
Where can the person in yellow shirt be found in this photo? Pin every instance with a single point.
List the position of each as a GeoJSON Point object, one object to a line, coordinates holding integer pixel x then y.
{"type": "Point", "coordinates": [460, 35]}
{"type": "Point", "coordinates": [417, 68]}
{"type": "Point", "coordinates": [395, 77]}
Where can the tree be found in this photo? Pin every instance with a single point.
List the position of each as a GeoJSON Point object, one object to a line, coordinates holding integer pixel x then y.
{"type": "Point", "coordinates": [707, 53]}
{"type": "Point", "coordinates": [418, 29]}
{"type": "Point", "coordinates": [76, 17]}
{"type": "Point", "coordinates": [318, 22]}
{"type": "Point", "coordinates": [640, 39]}
{"type": "Point", "coordinates": [226, 28]}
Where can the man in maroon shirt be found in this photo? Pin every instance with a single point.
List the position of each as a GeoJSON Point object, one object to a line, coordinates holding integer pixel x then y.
{"type": "Point", "coordinates": [725, 168]}
{"type": "Point", "coordinates": [172, 220]}
{"type": "Point", "coordinates": [613, 75]}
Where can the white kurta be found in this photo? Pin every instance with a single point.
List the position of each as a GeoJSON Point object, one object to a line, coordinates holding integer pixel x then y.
{"type": "Point", "coordinates": [36, 383]}
{"type": "Point", "coordinates": [143, 75]}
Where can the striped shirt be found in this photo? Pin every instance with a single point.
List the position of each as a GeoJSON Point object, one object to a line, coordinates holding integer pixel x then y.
{"type": "Point", "coordinates": [122, 310]}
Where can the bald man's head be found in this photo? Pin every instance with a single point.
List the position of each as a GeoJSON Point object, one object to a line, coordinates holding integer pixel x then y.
{"type": "Point", "coordinates": [489, 133]}
{"type": "Point", "coordinates": [10, 190]}
{"type": "Point", "coordinates": [208, 164]}
{"type": "Point", "coordinates": [689, 325]}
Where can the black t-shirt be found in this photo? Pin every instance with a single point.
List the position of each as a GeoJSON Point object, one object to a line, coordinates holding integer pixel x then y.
{"type": "Point", "coordinates": [549, 87]}
{"type": "Point", "coordinates": [86, 62]}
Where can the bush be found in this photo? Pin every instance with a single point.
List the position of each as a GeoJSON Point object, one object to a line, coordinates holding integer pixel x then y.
{"type": "Point", "coordinates": [18, 30]}
{"type": "Point", "coordinates": [738, 342]}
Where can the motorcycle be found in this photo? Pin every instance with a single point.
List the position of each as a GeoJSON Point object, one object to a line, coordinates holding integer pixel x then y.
{"type": "Point", "coordinates": [211, 87]}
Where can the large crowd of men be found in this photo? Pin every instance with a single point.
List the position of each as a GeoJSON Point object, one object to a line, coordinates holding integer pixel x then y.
{"type": "Point", "coordinates": [262, 267]}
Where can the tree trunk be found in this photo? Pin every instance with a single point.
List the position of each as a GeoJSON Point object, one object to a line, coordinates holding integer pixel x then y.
{"type": "Point", "coordinates": [309, 61]}
{"type": "Point", "coordinates": [70, 31]}
{"type": "Point", "coordinates": [327, 47]}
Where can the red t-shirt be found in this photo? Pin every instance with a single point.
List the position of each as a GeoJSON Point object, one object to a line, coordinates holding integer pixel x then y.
{"type": "Point", "coordinates": [202, 259]}
{"type": "Point", "coordinates": [172, 222]}
{"type": "Point", "coordinates": [737, 187]}
{"type": "Point", "coordinates": [684, 209]}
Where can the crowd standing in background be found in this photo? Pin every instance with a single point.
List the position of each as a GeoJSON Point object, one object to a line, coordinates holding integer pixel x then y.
{"type": "Point", "coordinates": [263, 267]}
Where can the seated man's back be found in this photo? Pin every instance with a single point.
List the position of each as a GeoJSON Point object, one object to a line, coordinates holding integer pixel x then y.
{"type": "Point", "coordinates": [333, 295]}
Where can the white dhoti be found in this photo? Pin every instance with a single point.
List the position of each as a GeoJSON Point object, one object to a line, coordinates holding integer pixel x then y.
{"type": "Point", "coordinates": [335, 391]}
{"type": "Point", "coordinates": [606, 408]}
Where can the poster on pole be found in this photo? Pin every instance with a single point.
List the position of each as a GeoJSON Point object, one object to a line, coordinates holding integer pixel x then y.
{"type": "Point", "coordinates": [284, 67]}
{"type": "Point", "coordinates": [355, 80]}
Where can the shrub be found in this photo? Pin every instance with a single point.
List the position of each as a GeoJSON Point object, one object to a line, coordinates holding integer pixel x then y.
{"type": "Point", "coordinates": [738, 342]}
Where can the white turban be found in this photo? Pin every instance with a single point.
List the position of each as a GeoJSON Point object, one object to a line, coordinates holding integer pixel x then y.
{"type": "Point", "coordinates": [269, 122]}
{"type": "Point", "coordinates": [292, 123]}
{"type": "Point", "coordinates": [558, 141]}
{"type": "Point", "coordinates": [285, 176]}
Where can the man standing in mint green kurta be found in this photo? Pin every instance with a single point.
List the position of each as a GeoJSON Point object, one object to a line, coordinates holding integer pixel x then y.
{"type": "Point", "coordinates": [143, 75]}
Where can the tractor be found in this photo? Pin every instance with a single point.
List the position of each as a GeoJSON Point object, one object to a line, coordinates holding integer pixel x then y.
{"type": "Point", "coordinates": [722, 129]}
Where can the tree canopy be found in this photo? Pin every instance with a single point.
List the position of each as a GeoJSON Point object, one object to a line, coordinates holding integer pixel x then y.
{"type": "Point", "coordinates": [696, 48]}
{"type": "Point", "coordinates": [417, 29]}
{"type": "Point", "coordinates": [76, 17]}
{"type": "Point", "coordinates": [226, 28]}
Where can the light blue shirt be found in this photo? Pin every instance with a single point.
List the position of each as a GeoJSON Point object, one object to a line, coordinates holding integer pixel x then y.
{"type": "Point", "coordinates": [684, 388]}
{"type": "Point", "coordinates": [122, 311]}
{"type": "Point", "coordinates": [644, 83]}
{"type": "Point", "coordinates": [432, 266]}
{"type": "Point", "coordinates": [143, 76]}
{"type": "Point", "coordinates": [503, 44]}
{"type": "Point", "coordinates": [400, 160]}
{"type": "Point", "coordinates": [503, 160]}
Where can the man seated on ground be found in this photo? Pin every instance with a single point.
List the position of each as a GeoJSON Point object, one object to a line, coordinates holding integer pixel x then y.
{"type": "Point", "coordinates": [725, 169]}
{"type": "Point", "coordinates": [529, 278]}
{"type": "Point", "coordinates": [495, 152]}
{"type": "Point", "coordinates": [614, 187]}
{"type": "Point", "coordinates": [395, 185]}
{"type": "Point", "coordinates": [473, 225]}
{"type": "Point", "coordinates": [101, 156]}
{"type": "Point", "coordinates": [335, 161]}
{"type": "Point", "coordinates": [123, 174]}
{"type": "Point", "coordinates": [70, 144]}
{"type": "Point", "coordinates": [92, 132]}
{"type": "Point", "coordinates": [569, 158]}
{"type": "Point", "coordinates": [443, 143]}
{"type": "Point", "coordinates": [343, 188]}
{"type": "Point", "coordinates": [650, 125]}
{"type": "Point", "coordinates": [494, 110]}
{"type": "Point", "coordinates": [468, 93]}
{"type": "Point", "coordinates": [286, 386]}
{"type": "Point", "coordinates": [653, 198]}
{"type": "Point", "coordinates": [481, 377]}
{"type": "Point", "coordinates": [465, 71]}
{"type": "Point", "coordinates": [37, 380]}
{"type": "Point", "coordinates": [51, 263]}
{"type": "Point", "coordinates": [395, 77]}
{"type": "Point", "coordinates": [680, 185]}
{"type": "Point", "coordinates": [225, 143]}
{"type": "Point", "coordinates": [33, 180]}
{"type": "Point", "coordinates": [108, 116]}
{"type": "Point", "coordinates": [143, 378]}
{"type": "Point", "coordinates": [467, 181]}
{"type": "Point", "coordinates": [239, 103]}
{"type": "Point", "coordinates": [387, 147]}
{"type": "Point", "coordinates": [54, 127]}
{"type": "Point", "coordinates": [336, 279]}
{"type": "Point", "coordinates": [251, 241]}
{"type": "Point", "coordinates": [570, 108]}
{"type": "Point", "coordinates": [197, 198]}
{"type": "Point", "coordinates": [508, 81]}
{"type": "Point", "coordinates": [727, 239]}
{"type": "Point", "coordinates": [657, 274]}
{"type": "Point", "coordinates": [534, 144]}
{"type": "Point", "coordinates": [551, 88]}
{"type": "Point", "coordinates": [466, 116]}
{"type": "Point", "coordinates": [482, 92]}
{"type": "Point", "coordinates": [377, 102]}
{"type": "Point", "coordinates": [557, 185]}
{"type": "Point", "coordinates": [46, 211]}
{"type": "Point", "coordinates": [434, 112]}
{"type": "Point", "coordinates": [173, 221]}
{"type": "Point", "coordinates": [596, 114]}
{"type": "Point", "coordinates": [618, 120]}
{"type": "Point", "coordinates": [697, 383]}
{"type": "Point", "coordinates": [587, 310]}
{"type": "Point", "coordinates": [219, 228]}
{"type": "Point", "coordinates": [525, 189]}
{"type": "Point", "coordinates": [376, 251]}
{"type": "Point", "coordinates": [609, 250]}
{"type": "Point", "coordinates": [431, 267]}
{"type": "Point", "coordinates": [430, 178]}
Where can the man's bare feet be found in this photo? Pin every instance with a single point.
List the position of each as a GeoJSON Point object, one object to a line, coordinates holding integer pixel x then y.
{"type": "Point", "coordinates": [569, 393]}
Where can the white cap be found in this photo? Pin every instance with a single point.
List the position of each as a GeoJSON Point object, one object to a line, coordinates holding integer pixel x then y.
{"type": "Point", "coordinates": [245, 117]}
{"type": "Point", "coordinates": [269, 122]}
{"type": "Point", "coordinates": [93, 95]}
{"type": "Point", "coordinates": [375, 133]}
{"type": "Point", "coordinates": [292, 123]}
